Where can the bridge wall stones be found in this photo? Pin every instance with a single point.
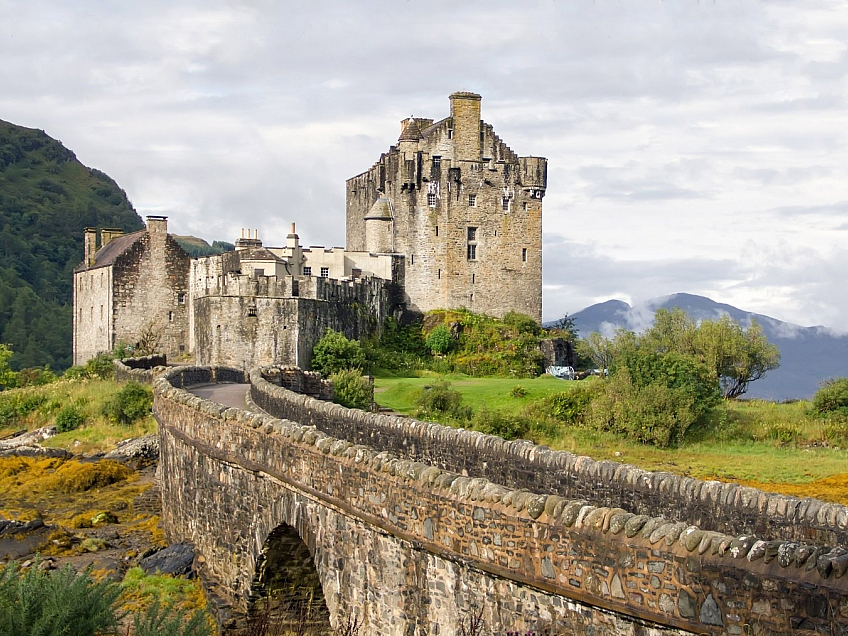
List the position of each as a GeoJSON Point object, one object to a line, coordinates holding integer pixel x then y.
{"type": "Point", "coordinates": [143, 369]}
{"type": "Point", "coordinates": [403, 543]}
{"type": "Point", "coordinates": [710, 505]}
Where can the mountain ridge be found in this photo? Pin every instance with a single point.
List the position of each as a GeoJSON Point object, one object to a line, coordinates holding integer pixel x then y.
{"type": "Point", "coordinates": [809, 355]}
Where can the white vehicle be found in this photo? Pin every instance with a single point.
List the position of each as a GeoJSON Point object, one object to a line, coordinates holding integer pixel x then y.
{"type": "Point", "coordinates": [563, 373]}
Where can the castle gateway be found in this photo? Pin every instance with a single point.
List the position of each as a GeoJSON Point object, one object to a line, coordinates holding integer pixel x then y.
{"type": "Point", "coordinates": [464, 210]}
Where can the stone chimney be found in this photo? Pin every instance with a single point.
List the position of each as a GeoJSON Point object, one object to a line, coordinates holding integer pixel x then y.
{"type": "Point", "coordinates": [89, 245]}
{"type": "Point", "coordinates": [157, 224]}
{"type": "Point", "coordinates": [246, 241]}
{"type": "Point", "coordinates": [292, 240]}
{"type": "Point", "coordinates": [465, 113]}
{"type": "Point", "coordinates": [109, 233]}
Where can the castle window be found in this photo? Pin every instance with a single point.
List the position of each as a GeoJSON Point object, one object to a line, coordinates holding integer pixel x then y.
{"type": "Point", "coordinates": [325, 272]}
{"type": "Point", "coordinates": [473, 278]}
{"type": "Point", "coordinates": [101, 312]}
{"type": "Point", "coordinates": [170, 316]}
{"type": "Point", "coordinates": [307, 271]}
{"type": "Point", "coordinates": [505, 203]}
{"type": "Point", "coordinates": [437, 230]}
{"type": "Point", "coordinates": [437, 161]}
{"type": "Point", "coordinates": [524, 254]}
{"type": "Point", "coordinates": [251, 311]}
{"type": "Point", "coordinates": [295, 288]}
{"type": "Point", "coordinates": [439, 275]}
{"type": "Point", "coordinates": [431, 200]}
{"type": "Point", "coordinates": [472, 200]}
{"type": "Point", "coordinates": [412, 259]}
{"type": "Point", "coordinates": [450, 133]}
{"type": "Point", "coordinates": [181, 298]}
{"type": "Point", "coordinates": [472, 244]}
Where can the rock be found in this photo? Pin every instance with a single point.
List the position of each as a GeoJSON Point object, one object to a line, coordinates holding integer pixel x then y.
{"type": "Point", "coordinates": [102, 518]}
{"type": "Point", "coordinates": [36, 451]}
{"type": "Point", "coordinates": [141, 450]}
{"type": "Point", "coordinates": [176, 560]}
{"type": "Point", "coordinates": [710, 613]}
{"type": "Point", "coordinates": [28, 438]}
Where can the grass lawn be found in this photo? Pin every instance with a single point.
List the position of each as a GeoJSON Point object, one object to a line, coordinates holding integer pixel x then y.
{"type": "Point", "coordinates": [776, 447]}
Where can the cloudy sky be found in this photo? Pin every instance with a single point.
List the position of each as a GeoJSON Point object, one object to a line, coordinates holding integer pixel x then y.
{"type": "Point", "coordinates": [693, 146]}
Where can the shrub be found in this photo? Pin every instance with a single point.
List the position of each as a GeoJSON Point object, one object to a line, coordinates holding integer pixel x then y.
{"type": "Point", "coordinates": [57, 602]}
{"type": "Point", "coordinates": [165, 620]}
{"type": "Point", "coordinates": [69, 418]}
{"type": "Point", "coordinates": [36, 376]}
{"type": "Point", "coordinates": [333, 352]}
{"type": "Point", "coordinates": [353, 390]}
{"type": "Point", "coordinates": [17, 404]}
{"type": "Point", "coordinates": [522, 323]}
{"type": "Point", "coordinates": [571, 406]}
{"type": "Point", "coordinates": [130, 404]}
{"type": "Point", "coordinates": [100, 367]}
{"type": "Point", "coordinates": [507, 425]}
{"type": "Point", "coordinates": [832, 397]}
{"type": "Point", "coordinates": [439, 341]}
{"type": "Point", "coordinates": [441, 401]}
{"type": "Point", "coordinates": [518, 391]}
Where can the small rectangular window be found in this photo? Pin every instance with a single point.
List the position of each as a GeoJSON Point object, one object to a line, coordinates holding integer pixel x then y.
{"type": "Point", "coordinates": [431, 200]}
{"type": "Point", "coordinates": [437, 161]}
{"type": "Point", "coordinates": [450, 133]}
{"type": "Point", "coordinates": [473, 278]}
{"type": "Point", "coordinates": [251, 311]}
{"type": "Point", "coordinates": [307, 271]}
{"type": "Point", "coordinates": [472, 252]}
{"type": "Point", "coordinates": [325, 272]}
{"type": "Point", "coordinates": [505, 203]}
{"type": "Point", "coordinates": [472, 233]}
{"type": "Point", "coordinates": [170, 316]}
{"type": "Point", "coordinates": [439, 275]}
{"type": "Point", "coordinates": [524, 254]}
{"type": "Point", "coordinates": [181, 298]}
{"type": "Point", "coordinates": [412, 259]}
{"type": "Point", "coordinates": [472, 200]}
{"type": "Point", "coordinates": [437, 230]}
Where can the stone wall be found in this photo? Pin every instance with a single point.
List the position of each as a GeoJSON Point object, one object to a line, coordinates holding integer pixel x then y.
{"type": "Point", "coordinates": [412, 548]}
{"type": "Point", "coordinates": [142, 370]}
{"type": "Point", "coordinates": [712, 505]}
{"type": "Point", "coordinates": [92, 313]}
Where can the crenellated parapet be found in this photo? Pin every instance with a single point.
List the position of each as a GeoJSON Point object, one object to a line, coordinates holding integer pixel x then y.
{"type": "Point", "coordinates": [451, 541]}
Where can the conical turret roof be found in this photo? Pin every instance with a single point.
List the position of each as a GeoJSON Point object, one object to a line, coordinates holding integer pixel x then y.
{"type": "Point", "coordinates": [381, 210]}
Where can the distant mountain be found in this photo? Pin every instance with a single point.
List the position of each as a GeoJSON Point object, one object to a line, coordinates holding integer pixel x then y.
{"type": "Point", "coordinates": [808, 355]}
{"type": "Point", "coordinates": [47, 197]}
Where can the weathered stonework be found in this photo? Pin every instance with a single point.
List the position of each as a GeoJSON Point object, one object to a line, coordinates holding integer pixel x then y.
{"type": "Point", "coordinates": [412, 548]}
{"type": "Point", "coordinates": [462, 208]}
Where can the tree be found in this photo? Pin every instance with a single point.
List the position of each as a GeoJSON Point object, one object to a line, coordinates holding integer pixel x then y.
{"type": "Point", "coordinates": [8, 378]}
{"type": "Point", "coordinates": [334, 352]}
{"type": "Point", "coordinates": [566, 327]}
{"type": "Point", "coordinates": [598, 349]}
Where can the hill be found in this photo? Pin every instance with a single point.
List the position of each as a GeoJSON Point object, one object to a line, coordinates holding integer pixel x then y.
{"type": "Point", "coordinates": [808, 355]}
{"type": "Point", "coordinates": [47, 197]}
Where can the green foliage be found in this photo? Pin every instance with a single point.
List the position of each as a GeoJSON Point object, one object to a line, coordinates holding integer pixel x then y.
{"type": "Point", "coordinates": [165, 620]}
{"type": "Point", "coordinates": [439, 340]}
{"type": "Point", "coordinates": [652, 413]}
{"type": "Point", "coordinates": [832, 397]}
{"type": "Point", "coordinates": [69, 418]}
{"type": "Point", "coordinates": [47, 197]}
{"type": "Point", "coordinates": [518, 391]}
{"type": "Point", "coordinates": [441, 402]}
{"type": "Point", "coordinates": [197, 247]}
{"type": "Point", "coordinates": [60, 602]}
{"type": "Point", "coordinates": [334, 352]}
{"type": "Point", "coordinates": [522, 323]}
{"type": "Point", "coordinates": [99, 367]}
{"type": "Point", "coordinates": [352, 389]}
{"type": "Point", "coordinates": [130, 404]}
{"type": "Point", "coordinates": [565, 328]}
{"type": "Point", "coordinates": [495, 422]}
{"type": "Point", "coordinates": [8, 378]}
{"type": "Point", "coordinates": [36, 376]}
{"type": "Point", "coordinates": [571, 407]}
{"type": "Point", "coordinates": [15, 405]}
{"type": "Point", "coordinates": [400, 349]}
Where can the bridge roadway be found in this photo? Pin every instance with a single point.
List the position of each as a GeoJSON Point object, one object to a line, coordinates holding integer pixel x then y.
{"type": "Point", "coordinates": [225, 394]}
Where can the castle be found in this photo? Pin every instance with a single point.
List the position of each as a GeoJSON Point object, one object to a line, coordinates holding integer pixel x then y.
{"type": "Point", "coordinates": [448, 217]}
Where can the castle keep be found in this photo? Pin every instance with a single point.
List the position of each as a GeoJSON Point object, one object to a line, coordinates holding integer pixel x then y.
{"type": "Point", "coordinates": [463, 209]}
{"type": "Point", "coordinates": [449, 217]}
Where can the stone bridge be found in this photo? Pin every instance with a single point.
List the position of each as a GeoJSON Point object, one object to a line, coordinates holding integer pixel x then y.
{"type": "Point", "coordinates": [414, 528]}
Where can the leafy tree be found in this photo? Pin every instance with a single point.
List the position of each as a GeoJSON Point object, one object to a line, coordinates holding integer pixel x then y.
{"type": "Point", "coordinates": [832, 397]}
{"type": "Point", "coordinates": [8, 378]}
{"type": "Point", "coordinates": [130, 404]}
{"type": "Point", "coordinates": [598, 349]}
{"type": "Point", "coordinates": [566, 328]}
{"type": "Point", "coordinates": [352, 389]}
{"type": "Point", "coordinates": [439, 340]}
{"type": "Point", "coordinates": [334, 352]}
{"type": "Point", "coordinates": [441, 401]}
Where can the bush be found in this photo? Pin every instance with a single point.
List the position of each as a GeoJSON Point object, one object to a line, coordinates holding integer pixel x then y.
{"type": "Point", "coordinates": [57, 602]}
{"type": "Point", "coordinates": [69, 418]}
{"type": "Point", "coordinates": [522, 323]}
{"type": "Point", "coordinates": [17, 404]}
{"type": "Point", "coordinates": [439, 341]}
{"type": "Point", "coordinates": [832, 397]}
{"type": "Point", "coordinates": [36, 376]}
{"type": "Point", "coordinates": [353, 390]}
{"type": "Point", "coordinates": [130, 404]}
{"type": "Point", "coordinates": [652, 414]}
{"type": "Point", "coordinates": [571, 406]}
{"type": "Point", "coordinates": [165, 620]}
{"type": "Point", "coordinates": [333, 353]}
{"type": "Point", "coordinates": [507, 425]}
{"type": "Point", "coordinates": [518, 391]}
{"type": "Point", "coordinates": [441, 401]}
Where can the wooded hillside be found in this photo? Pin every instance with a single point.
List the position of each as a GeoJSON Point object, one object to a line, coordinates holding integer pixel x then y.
{"type": "Point", "coordinates": [47, 197]}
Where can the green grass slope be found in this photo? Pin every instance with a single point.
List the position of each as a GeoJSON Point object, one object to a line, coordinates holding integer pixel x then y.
{"type": "Point", "coordinates": [47, 197]}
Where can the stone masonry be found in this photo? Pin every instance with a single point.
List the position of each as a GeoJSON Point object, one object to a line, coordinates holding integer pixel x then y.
{"type": "Point", "coordinates": [411, 548]}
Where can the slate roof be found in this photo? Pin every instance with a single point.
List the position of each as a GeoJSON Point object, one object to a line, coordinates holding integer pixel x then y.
{"type": "Point", "coordinates": [107, 254]}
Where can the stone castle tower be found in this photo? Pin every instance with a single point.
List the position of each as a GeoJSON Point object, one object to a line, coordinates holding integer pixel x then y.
{"type": "Point", "coordinates": [462, 208]}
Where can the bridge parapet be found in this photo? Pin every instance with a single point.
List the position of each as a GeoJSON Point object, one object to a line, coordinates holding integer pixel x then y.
{"type": "Point", "coordinates": [531, 560]}
{"type": "Point", "coordinates": [710, 505]}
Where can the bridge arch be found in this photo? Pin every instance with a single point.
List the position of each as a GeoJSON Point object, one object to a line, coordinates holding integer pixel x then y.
{"type": "Point", "coordinates": [287, 591]}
